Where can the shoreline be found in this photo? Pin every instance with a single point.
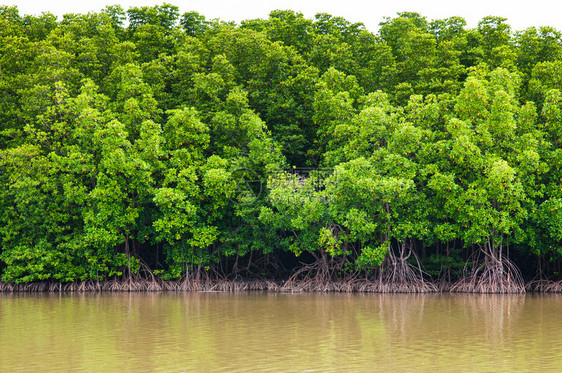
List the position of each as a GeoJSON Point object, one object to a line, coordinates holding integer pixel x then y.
{"type": "Point", "coordinates": [273, 286]}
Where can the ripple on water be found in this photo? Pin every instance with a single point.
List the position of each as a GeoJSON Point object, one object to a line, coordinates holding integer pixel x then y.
{"type": "Point", "coordinates": [203, 332]}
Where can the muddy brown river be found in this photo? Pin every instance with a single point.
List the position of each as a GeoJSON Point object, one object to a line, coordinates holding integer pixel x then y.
{"type": "Point", "coordinates": [216, 332]}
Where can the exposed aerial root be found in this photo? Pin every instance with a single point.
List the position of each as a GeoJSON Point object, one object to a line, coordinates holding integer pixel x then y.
{"type": "Point", "coordinates": [468, 284]}
{"type": "Point", "coordinates": [544, 286]}
{"type": "Point", "coordinates": [396, 275]}
{"type": "Point", "coordinates": [319, 276]}
{"type": "Point", "coordinates": [554, 287]}
{"type": "Point", "coordinates": [538, 286]}
{"type": "Point", "coordinates": [495, 275]}
{"type": "Point", "coordinates": [399, 276]}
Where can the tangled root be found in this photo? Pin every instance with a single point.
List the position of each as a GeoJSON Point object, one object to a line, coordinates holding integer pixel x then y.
{"type": "Point", "coordinates": [495, 275]}
{"type": "Point", "coordinates": [399, 276]}
{"type": "Point", "coordinates": [544, 286]}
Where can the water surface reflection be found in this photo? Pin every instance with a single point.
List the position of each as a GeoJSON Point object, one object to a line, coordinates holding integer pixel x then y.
{"type": "Point", "coordinates": [280, 332]}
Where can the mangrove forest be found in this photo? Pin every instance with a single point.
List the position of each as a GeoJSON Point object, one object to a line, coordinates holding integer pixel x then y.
{"type": "Point", "coordinates": [149, 149]}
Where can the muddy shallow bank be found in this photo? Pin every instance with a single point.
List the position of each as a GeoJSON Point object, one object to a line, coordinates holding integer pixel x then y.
{"type": "Point", "coordinates": [351, 286]}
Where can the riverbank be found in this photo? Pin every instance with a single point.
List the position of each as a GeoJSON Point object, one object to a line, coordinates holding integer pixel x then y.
{"type": "Point", "coordinates": [350, 286]}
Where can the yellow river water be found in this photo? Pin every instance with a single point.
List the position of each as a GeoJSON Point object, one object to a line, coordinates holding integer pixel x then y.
{"type": "Point", "coordinates": [215, 332]}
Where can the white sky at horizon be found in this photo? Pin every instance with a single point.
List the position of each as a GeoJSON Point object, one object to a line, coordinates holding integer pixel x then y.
{"type": "Point", "coordinates": [520, 15]}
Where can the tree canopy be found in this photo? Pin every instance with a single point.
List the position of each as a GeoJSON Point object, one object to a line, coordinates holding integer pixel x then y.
{"type": "Point", "coordinates": [153, 143]}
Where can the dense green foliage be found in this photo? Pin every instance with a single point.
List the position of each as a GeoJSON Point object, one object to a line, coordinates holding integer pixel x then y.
{"type": "Point", "coordinates": [150, 142]}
